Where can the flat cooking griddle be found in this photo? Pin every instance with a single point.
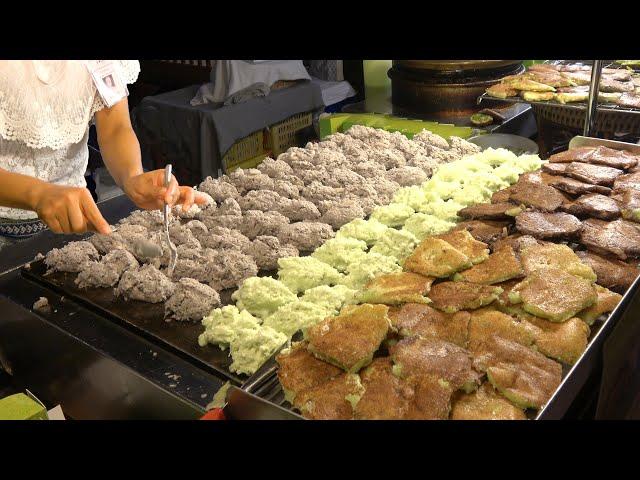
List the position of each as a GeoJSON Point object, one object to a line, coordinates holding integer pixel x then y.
{"type": "Point", "coordinates": [146, 319]}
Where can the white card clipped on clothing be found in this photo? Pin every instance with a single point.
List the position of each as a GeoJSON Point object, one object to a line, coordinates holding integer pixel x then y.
{"type": "Point", "coordinates": [108, 81]}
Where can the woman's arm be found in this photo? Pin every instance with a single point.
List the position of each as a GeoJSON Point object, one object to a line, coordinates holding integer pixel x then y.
{"type": "Point", "coordinates": [121, 154]}
{"type": "Point", "coordinates": [63, 209]}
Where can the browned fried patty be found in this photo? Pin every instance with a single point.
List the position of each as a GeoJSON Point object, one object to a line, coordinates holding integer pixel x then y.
{"type": "Point", "coordinates": [629, 100]}
{"type": "Point", "coordinates": [485, 404]}
{"type": "Point", "coordinates": [548, 226]}
{"type": "Point", "coordinates": [486, 322]}
{"type": "Point", "coordinates": [416, 356]}
{"type": "Point", "coordinates": [386, 397]}
{"type": "Point", "coordinates": [485, 231]}
{"type": "Point", "coordinates": [536, 258]}
{"type": "Point", "coordinates": [628, 181]}
{"type": "Point", "coordinates": [525, 377]}
{"type": "Point", "coordinates": [431, 398]}
{"type": "Point", "coordinates": [620, 237]}
{"type": "Point", "coordinates": [413, 319]}
{"type": "Point", "coordinates": [436, 258]}
{"type": "Point", "coordinates": [607, 301]}
{"type": "Point", "coordinates": [350, 339]}
{"type": "Point", "coordinates": [300, 370]}
{"type": "Point", "coordinates": [488, 211]}
{"type": "Point", "coordinates": [332, 400]}
{"type": "Point", "coordinates": [555, 168]}
{"type": "Point", "coordinates": [576, 187]}
{"type": "Point", "coordinates": [611, 272]}
{"type": "Point", "coordinates": [553, 294]}
{"type": "Point", "coordinates": [628, 200]}
{"type": "Point", "coordinates": [574, 155]}
{"type": "Point", "coordinates": [501, 265]}
{"type": "Point", "coordinates": [501, 196]}
{"type": "Point", "coordinates": [451, 297]}
{"type": "Point", "coordinates": [564, 342]}
{"type": "Point", "coordinates": [397, 288]}
{"type": "Point", "coordinates": [594, 174]}
{"type": "Point", "coordinates": [593, 205]}
{"type": "Point", "coordinates": [539, 196]}
{"type": "Point", "coordinates": [517, 242]}
{"type": "Point", "coordinates": [613, 158]}
{"type": "Point", "coordinates": [464, 242]}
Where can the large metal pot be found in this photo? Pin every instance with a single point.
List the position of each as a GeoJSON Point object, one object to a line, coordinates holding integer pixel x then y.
{"type": "Point", "coordinates": [446, 87]}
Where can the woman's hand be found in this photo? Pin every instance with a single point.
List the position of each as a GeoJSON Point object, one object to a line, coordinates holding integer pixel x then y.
{"type": "Point", "coordinates": [147, 191]}
{"type": "Point", "coordinates": [68, 209]}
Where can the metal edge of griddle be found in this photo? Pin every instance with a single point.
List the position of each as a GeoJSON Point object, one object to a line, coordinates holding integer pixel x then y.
{"type": "Point", "coordinates": [561, 399]}
{"type": "Point", "coordinates": [582, 141]}
{"type": "Point", "coordinates": [243, 405]}
{"type": "Point", "coordinates": [582, 106]}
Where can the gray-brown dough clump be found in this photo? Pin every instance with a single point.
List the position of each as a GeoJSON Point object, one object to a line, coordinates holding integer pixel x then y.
{"type": "Point", "coordinates": [146, 284]}
{"type": "Point", "coordinates": [306, 236]}
{"type": "Point", "coordinates": [226, 221]}
{"type": "Point", "coordinates": [218, 190]}
{"type": "Point", "coordinates": [286, 189]}
{"type": "Point", "coordinates": [298, 210]}
{"type": "Point", "coordinates": [72, 257]}
{"type": "Point", "coordinates": [230, 269]}
{"type": "Point", "coordinates": [191, 301]}
{"type": "Point", "coordinates": [108, 271]}
{"type": "Point", "coordinates": [263, 200]}
{"type": "Point", "coordinates": [276, 169]}
{"type": "Point", "coordinates": [341, 212]}
{"type": "Point", "coordinates": [407, 176]}
{"type": "Point", "coordinates": [266, 250]}
{"type": "Point", "coordinates": [255, 223]}
{"type": "Point", "coordinates": [224, 238]}
{"type": "Point", "coordinates": [106, 243]}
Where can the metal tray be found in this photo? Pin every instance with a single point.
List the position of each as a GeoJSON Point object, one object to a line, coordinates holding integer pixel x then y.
{"type": "Point", "coordinates": [145, 319]}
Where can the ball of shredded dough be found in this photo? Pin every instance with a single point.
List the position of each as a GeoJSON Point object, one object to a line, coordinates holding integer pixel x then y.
{"type": "Point", "coordinates": [96, 274]}
{"type": "Point", "coordinates": [261, 296]}
{"type": "Point", "coordinates": [368, 231]}
{"type": "Point", "coordinates": [106, 243]}
{"type": "Point", "coordinates": [263, 200]}
{"type": "Point", "coordinates": [266, 250]}
{"type": "Point", "coordinates": [218, 189]}
{"type": "Point", "coordinates": [73, 257]}
{"type": "Point", "coordinates": [226, 221]}
{"type": "Point", "coordinates": [274, 168]}
{"type": "Point", "coordinates": [295, 316]}
{"type": "Point", "coordinates": [146, 284]}
{"type": "Point", "coordinates": [231, 269]}
{"type": "Point", "coordinates": [255, 223]}
{"type": "Point", "coordinates": [286, 189]}
{"type": "Point", "coordinates": [197, 228]}
{"type": "Point", "coordinates": [339, 252]}
{"type": "Point", "coordinates": [181, 235]}
{"type": "Point", "coordinates": [305, 236]}
{"type": "Point", "coordinates": [229, 207]}
{"type": "Point", "coordinates": [425, 136]}
{"type": "Point", "coordinates": [191, 212]}
{"type": "Point", "coordinates": [302, 273]}
{"type": "Point", "coordinates": [298, 210]}
{"type": "Point", "coordinates": [120, 260]}
{"type": "Point", "coordinates": [225, 238]}
{"type": "Point", "coordinates": [342, 212]}
{"type": "Point", "coordinates": [191, 301]}
{"type": "Point", "coordinates": [249, 179]}
{"type": "Point", "coordinates": [405, 176]}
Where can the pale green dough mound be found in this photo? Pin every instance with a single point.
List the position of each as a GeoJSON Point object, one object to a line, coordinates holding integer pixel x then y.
{"type": "Point", "coordinates": [444, 210]}
{"type": "Point", "coordinates": [262, 296]}
{"type": "Point", "coordinates": [448, 173]}
{"type": "Point", "coordinates": [398, 244]}
{"type": "Point", "coordinates": [222, 325]}
{"type": "Point", "coordinates": [423, 225]}
{"type": "Point", "coordinates": [472, 163]}
{"type": "Point", "coordinates": [472, 194]}
{"type": "Point", "coordinates": [487, 180]}
{"type": "Point", "coordinates": [331, 299]}
{"type": "Point", "coordinates": [368, 231]}
{"type": "Point", "coordinates": [393, 215]}
{"type": "Point", "coordinates": [495, 157]}
{"type": "Point", "coordinates": [416, 197]}
{"type": "Point", "coordinates": [251, 348]}
{"type": "Point", "coordinates": [302, 273]}
{"type": "Point", "coordinates": [340, 252]}
{"type": "Point", "coordinates": [508, 172]}
{"type": "Point", "coordinates": [528, 162]}
{"type": "Point", "coordinates": [373, 265]}
{"type": "Point", "coordinates": [439, 190]}
{"type": "Point", "coordinates": [295, 316]}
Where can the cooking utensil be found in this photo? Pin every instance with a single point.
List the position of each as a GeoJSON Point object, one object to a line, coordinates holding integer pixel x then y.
{"type": "Point", "coordinates": [242, 405]}
{"type": "Point", "coordinates": [166, 212]}
{"type": "Point", "coordinates": [144, 248]}
{"type": "Point", "coordinates": [515, 143]}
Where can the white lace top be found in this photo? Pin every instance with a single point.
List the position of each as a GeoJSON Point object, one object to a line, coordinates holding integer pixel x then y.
{"type": "Point", "coordinates": [46, 107]}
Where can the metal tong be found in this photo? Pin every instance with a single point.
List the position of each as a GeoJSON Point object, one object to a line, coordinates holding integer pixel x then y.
{"type": "Point", "coordinates": [166, 212]}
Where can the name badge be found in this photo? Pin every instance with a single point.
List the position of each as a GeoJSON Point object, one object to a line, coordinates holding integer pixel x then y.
{"type": "Point", "coordinates": [108, 81]}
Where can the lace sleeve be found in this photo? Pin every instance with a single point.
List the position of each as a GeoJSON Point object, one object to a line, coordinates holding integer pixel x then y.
{"type": "Point", "coordinates": [129, 69]}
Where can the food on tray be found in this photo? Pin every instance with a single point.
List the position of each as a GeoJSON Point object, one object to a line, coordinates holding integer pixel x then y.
{"type": "Point", "coordinates": [261, 296]}
{"type": "Point", "coordinates": [393, 215]}
{"type": "Point", "coordinates": [418, 356]}
{"type": "Point", "coordinates": [300, 370]}
{"type": "Point", "coordinates": [628, 200]}
{"type": "Point", "coordinates": [619, 237]}
{"type": "Point", "coordinates": [500, 266]}
{"type": "Point", "coordinates": [576, 187]}
{"type": "Point", "coordinates": [548, 226]}
{"type": "Point", "coordinates": [629, 100]}
{"type": "Point", "coordinates": [415, 319]}
{"type": "Point", "coordinates": [230, 269]}
{"type": "Point", "coordinates": [305, 236]}
{"type": "Point", "coordinates": [341, 213]}
{"type": "Point", "coordinates": [350, 339]}
{"type": "Point", "coordinates": [73, 257]}
{"type": "Point", "coordinates": [486, 322]}
{"type": "Point", "coordinates": [629, 181]}
{"type": "Point", "coordinates": [422, 225]}
{"type": "Point", "coordinates": [481, 119]}
{"type": "Point", "coordinates": [302, 273]}
{"type": "Point", "coordinates": [595, 174]}
{"type": "Point", "coordinates": [224, 325]}
{"type": "Point", "coordinates": [331, 299]}
{"type": "Point", "coordinates": [606, 302]}
{"type": "Point", "coordinates": [398, 244]}
{"type": "Point", "coordinates": [517, 242]}
{"type": "Point", "coordinates": [374, 264]}
{"type": "Point", "coordinates": [564, 342]}
{"type": "Point", "coordinates": [500, 90]}
{"type": "Point", "coordinates": [531, 96]}
{"type": "Point", "coordinates": [553, 294]}
{"type": "Point", "coordinates": [267, 250]}
{"type": "Point", "coordinates": [490, 211]}
{"type": "Point", "coordinates": [571, 96]}
{"type": "Point", "coordinates": [255, 223]}
{"type": "Point", "coordinates": [464, 242]}
{"type": "Point", "coordinates": [485, 404]}
{"type": "Point", "coordinates": [538, 258]}
{"type": "Point", "coordinates": [146, 284]}
{"type": "Point", "coordinates": [436, 258]}
{"type": "Point", "coordinates": [295, 316]}
{"type": "Point", "coordinates": [96, 275]}
{"type": "Point", "coordinates": [251, 348]}
{"type": "Point", "coordinates": [368, 231]}
{"type": "Point", "coordinates": [538, 196]}
{"type": "Point", "coordinates": [385, 397]}
{"type": "Point", "coordinates": [397, 288]}
{"type": "Point", "coordinates": [339, 252]}
{"type": "Point", "coordinates": [331, 400]}
{"type": "Point", "coordinates": [525, 377]}
{"type": "Point", "coordinates": [520, 82]}
{"type": "Point", "coordinates": [611, 272]}
{"type": "Point", "coordinates": [594, 205]}
{"type": "Point", "coordinates": [451, 297]}
{"type": "Point", "coordinates": [190, 301]}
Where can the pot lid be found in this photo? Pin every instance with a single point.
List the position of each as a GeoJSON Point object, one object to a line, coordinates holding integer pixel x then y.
{"type": "Point", "coordinates": [452, 65]}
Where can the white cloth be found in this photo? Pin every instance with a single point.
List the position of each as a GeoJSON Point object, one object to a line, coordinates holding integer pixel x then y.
{"type": "Point", "coordinates": [45, 111]}
{"type": "Point", "coordinates": [334, 92]}
{"type": "Point", "coordinates": [231, 76]}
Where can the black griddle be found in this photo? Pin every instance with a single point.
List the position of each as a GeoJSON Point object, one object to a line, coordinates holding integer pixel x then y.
{"type": "Point", "coordinates": [145, 319]}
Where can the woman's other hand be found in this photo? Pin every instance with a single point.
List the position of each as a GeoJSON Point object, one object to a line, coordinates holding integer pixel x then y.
{"type": "Point", "coordinates": [147, 191]}
{"type": "Point", "coordinates": [68, 209]}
